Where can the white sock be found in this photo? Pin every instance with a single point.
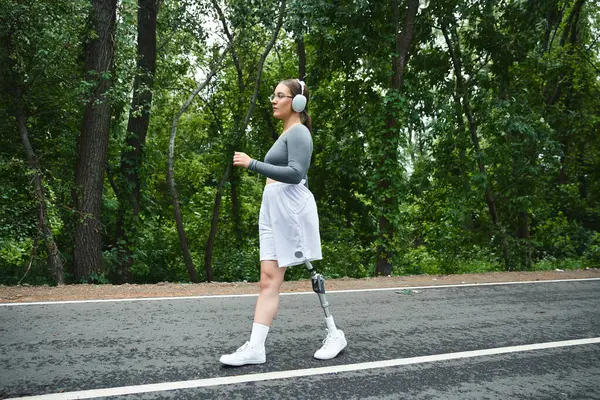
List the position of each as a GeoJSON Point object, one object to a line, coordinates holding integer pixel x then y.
{"type": "Point", "coordinates": [259, 335]}
{"type": "Point", "coordinates": [331, 325]}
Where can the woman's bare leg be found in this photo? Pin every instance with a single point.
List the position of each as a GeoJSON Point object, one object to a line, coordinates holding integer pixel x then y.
{"type": "Point", "coordinates": [271, 278]}
{"type": "Point", "coordinates": [253, 351]}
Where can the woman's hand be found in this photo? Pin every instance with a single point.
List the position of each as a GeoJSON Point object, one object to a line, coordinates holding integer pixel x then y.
{"type": "Point", "coordinates": [241, 159]}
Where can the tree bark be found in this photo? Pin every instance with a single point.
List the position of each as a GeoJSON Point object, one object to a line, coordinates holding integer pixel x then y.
{"type": "Point", "coordinates": [93, 143]}
{"type": "Point", "coordinates": [455, 54]}
{"type": "Point", "coordinates": [137, 128]}
{"type": "Point", "coordinates": [54, 259]}
{"type": "Point", "coordinates": [400, 51]}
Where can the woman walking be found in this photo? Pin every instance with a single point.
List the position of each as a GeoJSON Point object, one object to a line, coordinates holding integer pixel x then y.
{"type": "Point", "coordinates": [288, 221]}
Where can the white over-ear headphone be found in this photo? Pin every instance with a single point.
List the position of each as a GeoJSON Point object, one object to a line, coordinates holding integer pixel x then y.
{"type": "Point", "coordinates": [299, 100]}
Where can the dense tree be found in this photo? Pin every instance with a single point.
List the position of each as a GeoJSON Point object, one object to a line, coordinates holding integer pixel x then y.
{"type": "Point", "coordinates": [37, 92]}
{"type": "Point", "coordinates": [92, 146]}
{"type": "Point", "coordinates": [129, 193]}
{"type": "Point", "coordinates": [19, 73]}
{"type": "Point", "coordinates": [387, 163]}
{"type": "Point", "coordinates": [449, 136]}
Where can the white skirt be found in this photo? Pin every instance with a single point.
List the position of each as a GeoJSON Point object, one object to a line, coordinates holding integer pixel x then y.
{"type": "Point", "coordinates": [288, 225]}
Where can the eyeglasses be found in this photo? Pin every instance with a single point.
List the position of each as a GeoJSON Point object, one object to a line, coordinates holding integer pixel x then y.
{"type": "Point", "coordinates": [278, 96]}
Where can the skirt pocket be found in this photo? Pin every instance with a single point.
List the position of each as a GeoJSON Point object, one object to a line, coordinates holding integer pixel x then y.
{"type": "Point", "coordinates": [296, 197]}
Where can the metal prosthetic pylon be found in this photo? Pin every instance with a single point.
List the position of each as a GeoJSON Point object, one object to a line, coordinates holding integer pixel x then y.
{"type": "Point", "coordinates": [318, 285]}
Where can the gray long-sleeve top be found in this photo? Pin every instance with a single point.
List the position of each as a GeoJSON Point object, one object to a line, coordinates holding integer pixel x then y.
{"type": "Point", "coordinates": [289, 158]}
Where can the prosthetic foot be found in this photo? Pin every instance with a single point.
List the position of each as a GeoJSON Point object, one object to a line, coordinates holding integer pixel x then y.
{"type": "Point", "coordinates": [335, 341]}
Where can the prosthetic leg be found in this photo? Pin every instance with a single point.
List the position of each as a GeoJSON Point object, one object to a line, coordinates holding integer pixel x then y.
{"type": "Point", "coordinates": [335, 340]}
{"type": "Point", "coordinates": [318, 285]}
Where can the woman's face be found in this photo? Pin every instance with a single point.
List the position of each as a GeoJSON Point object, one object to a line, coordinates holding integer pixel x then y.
{"type": "Point", "coordinates": [282, 102]}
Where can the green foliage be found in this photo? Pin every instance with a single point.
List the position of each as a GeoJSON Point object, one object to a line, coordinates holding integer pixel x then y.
{"type": "Point", "coordinates": [552, 264]}
{"type": "Point", "coordinates": [531, 85]}
{"type": "Point", "coordinates": [238, 265]}
{"type": "Point", "coordinates": [344, 256]}
{"type": "Point", "coordinates": [13, 255]}
{"type": "Point", "coordinates": [592, 252]}
{"type": "Point", "coordinates": [561, 238]}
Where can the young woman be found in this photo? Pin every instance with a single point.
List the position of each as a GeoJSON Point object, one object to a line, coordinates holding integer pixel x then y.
{"type": "Point", "coordinates": [288, 221]}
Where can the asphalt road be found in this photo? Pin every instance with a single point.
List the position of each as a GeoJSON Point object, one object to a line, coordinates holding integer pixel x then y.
{"type": "Point", "coordinates": [47, 349]}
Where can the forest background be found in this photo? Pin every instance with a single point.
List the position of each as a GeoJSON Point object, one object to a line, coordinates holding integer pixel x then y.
{"type": "Point", "coordinates": [449, 136]}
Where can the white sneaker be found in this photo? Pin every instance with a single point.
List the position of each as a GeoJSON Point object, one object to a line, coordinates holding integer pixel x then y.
{"type": "Point", "coordinates": [332, 345]}
{"type": "Point", "coordinates": [247, 354]}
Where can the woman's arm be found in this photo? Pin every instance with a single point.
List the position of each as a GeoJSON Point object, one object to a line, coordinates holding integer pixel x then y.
{"type": "Point", "coordinates": [299, 147]}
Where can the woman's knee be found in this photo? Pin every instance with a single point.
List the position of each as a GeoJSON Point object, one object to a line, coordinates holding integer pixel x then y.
{"type": "Point", "coordinates": [269, 283]}
{"type": "Point", "coordinates": [271, 278]}
{"type": "Point", "coordinates": [266, 283]}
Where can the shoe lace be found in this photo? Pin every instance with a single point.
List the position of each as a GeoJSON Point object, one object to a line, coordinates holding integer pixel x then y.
{"type": "Point", "coordinates": [245, 347]}
{"type": "Point", "coordinates": [329, 339]}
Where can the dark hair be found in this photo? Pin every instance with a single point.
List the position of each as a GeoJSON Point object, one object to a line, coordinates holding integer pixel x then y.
{"type": "Point", "coordinates": [295, 89]}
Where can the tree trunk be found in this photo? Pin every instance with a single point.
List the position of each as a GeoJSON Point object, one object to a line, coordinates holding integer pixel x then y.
{"type": "Point", "coordinates": [137, 128]}
{"type": "Point", "coordinates": [267, 113]}
{"type": "Point", "coordinates": [239, 131]}
{"type": "Point", "coordinates": [259, 69]}
{"type": "Point", "coordinates": [93, 143]}
{"type": "Point", "coordinates": [455, 54]}
{"type": "Point", "coordinates": [183, 242]}
{"type": "Point", "coordinates": [570, 34]}
{"type": "Point", "coordinates": [400, 50]}
{"type": "Point", "coordinates": [171, 169]}
{"type": "Point", "coordinates": [582, 176]}
{"type": "Point", "coordinates": [553, 18]}
{"type": "Point", "coordinates": [214, 222]}
{"type": "Point", "coordinates": [54, 261]}
{"type": "Point", "coordinates": [523, 234]}
{"type": "Point", "coordinates": [235, 208]}
{"type": "Point", "coordinates": [14, 84]}
{"type": "Point", "coordinates": [236, 60]}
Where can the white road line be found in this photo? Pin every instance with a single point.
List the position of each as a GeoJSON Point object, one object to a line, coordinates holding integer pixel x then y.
{"type": "Point", "coordinates": [221, 296]}
{"type": "Point", "coordinates": [230, 380]}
